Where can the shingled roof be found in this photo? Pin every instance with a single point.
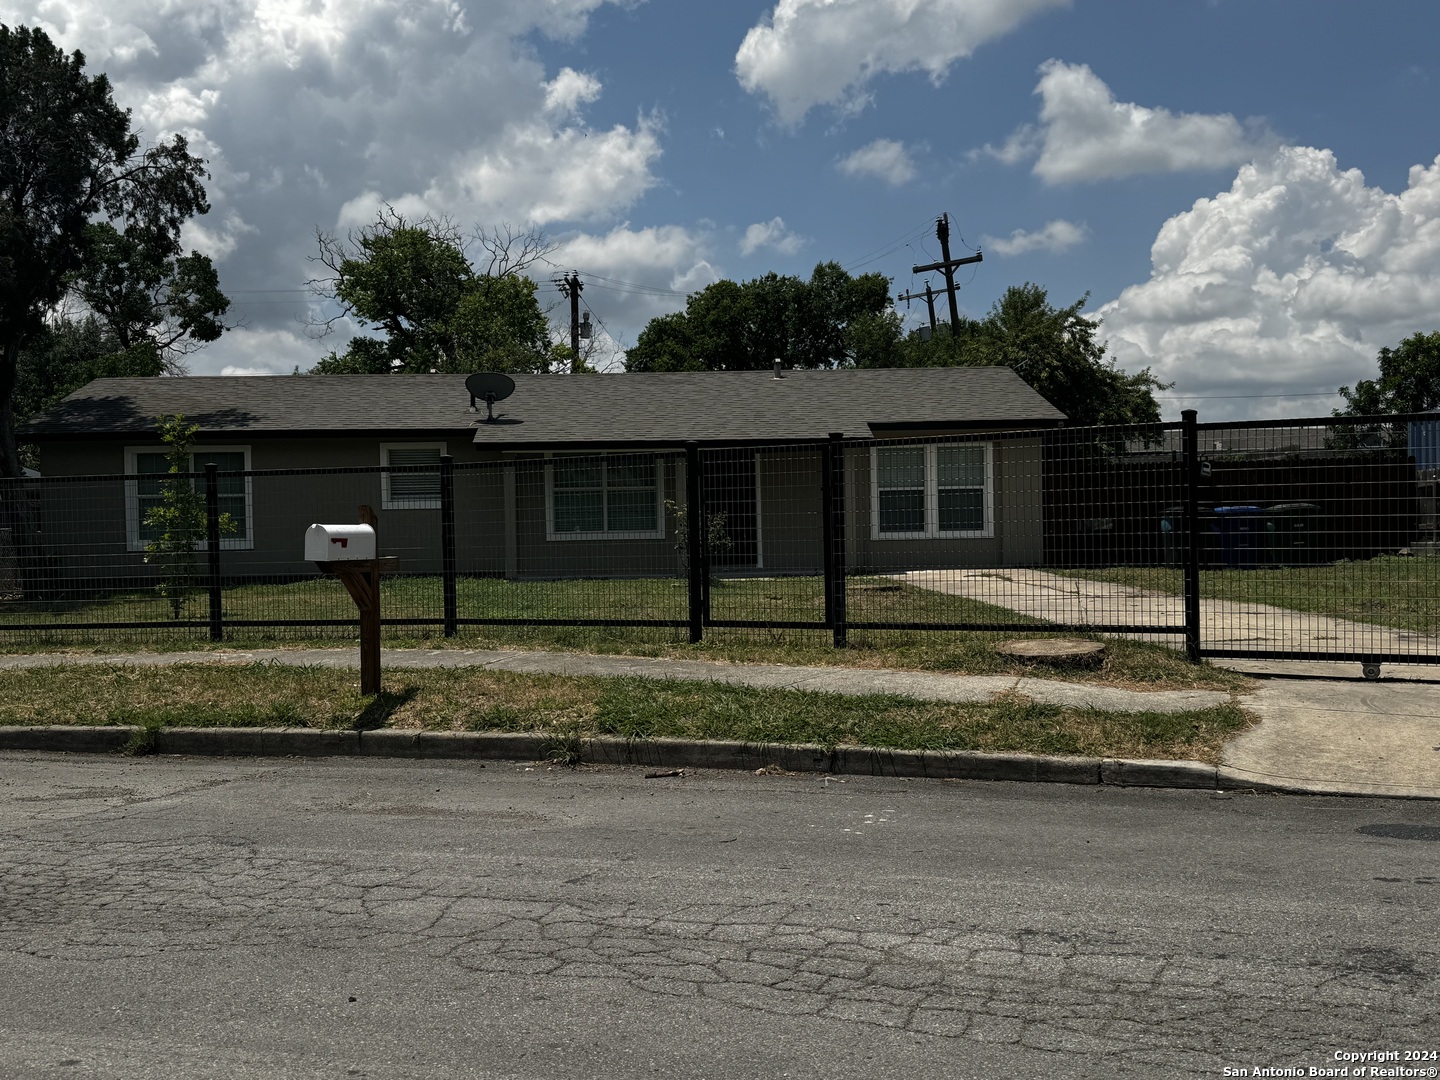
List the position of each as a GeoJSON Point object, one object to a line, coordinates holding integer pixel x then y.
{"type": "Point", "coordinates": [560, 410]}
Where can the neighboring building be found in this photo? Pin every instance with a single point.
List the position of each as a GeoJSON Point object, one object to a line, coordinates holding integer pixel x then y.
{"type": "Point", "coordinates": [573, 475]}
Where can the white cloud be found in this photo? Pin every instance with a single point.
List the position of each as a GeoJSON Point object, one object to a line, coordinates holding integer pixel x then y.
{"type": "Point", "coordinates": [1085, 134]}
{"type": "Point", "coordinates": [884, 159]}
{"type": "Point", "coordinates": [1056, 236]}
{"type": "Point", "coordinates": [539, 174]}
{"type": "Point", "coordinates": [632, 275]}
{"type": "Point", "coordinates": [312, 112]}
{"type": "Point", "coordinates": [570, 89]}
{"type": "Point", "coordinates": [655, 256]}
{"type": "Point", "coordinates": [1288, 283]}
{"type": "Point", "coordinates": [247, 351]}
{"type": "Point", "coordinates": [806, 53]}
{"type": "Point", "coordinates": [771, 234]}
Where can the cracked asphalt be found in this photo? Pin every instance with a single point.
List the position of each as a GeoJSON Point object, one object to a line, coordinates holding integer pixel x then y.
{"type": "Point", "coordinates": [199, 918]}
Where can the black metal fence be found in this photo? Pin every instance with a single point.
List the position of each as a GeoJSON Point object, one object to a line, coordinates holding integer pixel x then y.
{"type": "Point", "coordinates": [1308, 539]}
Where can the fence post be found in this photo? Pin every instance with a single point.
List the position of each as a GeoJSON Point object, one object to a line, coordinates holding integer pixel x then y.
{"type": "Point", "coordinates": [212, 549]}
{"type": "Point", "coordinates": [832, 511]}
{"type": "Point", "coordinates": [694, 532]}
{"type": "Point", "coordinates": [447, 542]}
{"type": "Point", "coordinates": [1191, 557]}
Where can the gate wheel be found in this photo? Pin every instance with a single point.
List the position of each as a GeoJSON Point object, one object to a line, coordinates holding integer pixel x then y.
{"type": "Point", "coordinates": [1370, 671]}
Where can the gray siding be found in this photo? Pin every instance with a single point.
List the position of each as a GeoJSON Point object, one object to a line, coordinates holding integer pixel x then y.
{"type": "Point", "coordinates": [90, 518]}
{"type": "Point", "coordinates": [789, 494]}
{"type": "Point", "coordinates": [87, 521]}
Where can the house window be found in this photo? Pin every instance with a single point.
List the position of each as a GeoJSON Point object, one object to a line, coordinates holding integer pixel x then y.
{"type": "Point", "coordinates": [146, 492]}
{"type": "Point", "coordinates": [930, 490]}
{"type": "Point", "coordinates": [411, 490]}
{"type": "Point", "coordinates": [611, 497]}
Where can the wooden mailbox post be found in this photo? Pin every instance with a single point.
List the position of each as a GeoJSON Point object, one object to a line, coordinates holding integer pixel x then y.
{"type": "Point", "coordinates": [361, 578]}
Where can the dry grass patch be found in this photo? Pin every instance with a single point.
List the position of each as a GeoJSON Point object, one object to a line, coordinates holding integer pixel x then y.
{"type": "Point", "coordinates": [460, 699]}
{"type": "Point", "coordinates": [570, 709]}
{"type": "Point", "coordinates": [250, 695]}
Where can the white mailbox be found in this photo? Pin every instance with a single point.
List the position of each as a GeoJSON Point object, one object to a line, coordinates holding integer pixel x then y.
{"type": "Point", "coordinates": [339, 543]}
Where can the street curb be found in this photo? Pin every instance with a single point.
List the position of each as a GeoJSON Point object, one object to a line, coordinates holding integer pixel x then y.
{"type": "Point", "coordinates": [654, 753]}
{"type": "Point", "coordinates": [63, 737]}
{"type": "Point", "coordinates": [1150, 773]}
{"type": "Point", "coordinates": [658, 753]}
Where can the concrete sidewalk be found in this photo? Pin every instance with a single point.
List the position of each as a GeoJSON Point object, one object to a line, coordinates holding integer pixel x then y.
{"type": "Point", "coordinates": [1323, 735]}
{"type": "Point", "coordinates": [926, 686]}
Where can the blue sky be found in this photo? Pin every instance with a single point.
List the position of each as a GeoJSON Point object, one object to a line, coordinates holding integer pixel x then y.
{"type": "Point", "coordinates": [1279, 156]}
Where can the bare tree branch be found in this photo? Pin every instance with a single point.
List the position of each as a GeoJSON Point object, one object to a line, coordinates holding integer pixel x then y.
{"type": "Point", "coordinates": [508, 250]}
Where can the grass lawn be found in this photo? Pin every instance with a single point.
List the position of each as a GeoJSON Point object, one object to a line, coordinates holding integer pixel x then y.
{"type": "Point", "coordinates": [796, 599]}
{"type": "Point", "coordinates": [1389, 590]}
{"type": "Point", "coordinates": [267, 695]}
{"type": "Point", "coordinates": [785, 599]}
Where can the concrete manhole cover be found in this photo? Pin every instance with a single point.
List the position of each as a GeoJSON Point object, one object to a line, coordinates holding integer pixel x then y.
{"type": "Point", "coordinates": [1402, 832]}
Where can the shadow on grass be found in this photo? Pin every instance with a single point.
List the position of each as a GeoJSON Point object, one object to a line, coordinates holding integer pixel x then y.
{"type": "Point", "coordinates": [383, 706]}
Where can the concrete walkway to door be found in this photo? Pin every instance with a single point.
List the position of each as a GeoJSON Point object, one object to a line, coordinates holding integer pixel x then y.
{"type": "Point", "coordinates": [1224, 624]}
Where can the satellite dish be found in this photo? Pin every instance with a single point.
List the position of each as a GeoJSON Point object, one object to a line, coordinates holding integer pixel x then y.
{"type": "Point", "coordinates": [490, 385]}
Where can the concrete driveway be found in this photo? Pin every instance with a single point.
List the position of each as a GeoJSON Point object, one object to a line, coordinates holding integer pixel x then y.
{"type": "Point", "coordinates": [1224, 624]}
{"type": "Point", "coordinates": [1321, 727]}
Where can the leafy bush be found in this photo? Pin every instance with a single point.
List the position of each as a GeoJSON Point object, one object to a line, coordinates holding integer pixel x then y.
{"type": "Point", "coordinates": [180, 517]}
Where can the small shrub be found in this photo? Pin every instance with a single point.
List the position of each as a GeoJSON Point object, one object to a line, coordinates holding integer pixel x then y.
{"type": "Point", "coordinates": [717, 535]}
{"type": "Point", "coordinates": [180, 516]}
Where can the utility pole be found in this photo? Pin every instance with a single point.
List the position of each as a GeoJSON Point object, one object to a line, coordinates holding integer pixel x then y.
{"type": "Point", "coordinates": [947, 266]}
{"type": "Point", "coordinates": [571, 286]}
{"type": "Point", "coordinates": [929, 297]}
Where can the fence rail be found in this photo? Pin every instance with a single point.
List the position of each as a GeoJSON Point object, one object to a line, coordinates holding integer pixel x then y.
{"type": "Point", "coordinates": [1309, 539]}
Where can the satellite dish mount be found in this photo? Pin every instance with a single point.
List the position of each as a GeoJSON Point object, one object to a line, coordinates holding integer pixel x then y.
{"type": "Point", "coordinates": [493, 387]}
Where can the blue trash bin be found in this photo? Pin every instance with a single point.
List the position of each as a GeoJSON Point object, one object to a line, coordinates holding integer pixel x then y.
{"type": "Point", "coordinates": [1243, 540]}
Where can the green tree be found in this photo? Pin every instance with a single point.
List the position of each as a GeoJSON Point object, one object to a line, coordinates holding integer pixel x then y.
{"type": "Point", "coordinates": [413, 282]}
{"type": "Point", "coordinates": [1056, 351]}
{"type": "Point", "coordinates": [831, 320]}
{"type": "Point", "coordinates": [66, 353]}
{"type": "Point", "coordinates": [1409, 380]}
{"type": "Point", "coordinates": [179, 517]}
{"type": "Point", "coordinates": [69, 160]}
{"type": "Point", "coordinates": [164, 302]}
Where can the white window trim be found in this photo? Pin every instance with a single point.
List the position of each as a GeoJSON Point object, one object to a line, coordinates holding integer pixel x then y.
{"type": "Point", "coordinates": [133, 542]}
{"type": "Point", "coordinates": [932, 499]}
{"type": "Point", "coordinates": [386, 503]}
{"type": "Point", "coordinates": [657, 533]}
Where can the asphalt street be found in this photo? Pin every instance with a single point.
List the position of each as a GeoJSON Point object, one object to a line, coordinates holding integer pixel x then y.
{"type": "Point", "coordinates": [173, 917]}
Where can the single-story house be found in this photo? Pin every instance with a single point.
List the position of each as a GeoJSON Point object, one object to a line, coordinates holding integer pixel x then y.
{"type": "Point", "coordinates": [575, 475]}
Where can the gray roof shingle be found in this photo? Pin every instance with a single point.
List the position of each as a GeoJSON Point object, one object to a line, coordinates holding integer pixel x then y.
{"type": "Point", "coordinates": [557, 410]}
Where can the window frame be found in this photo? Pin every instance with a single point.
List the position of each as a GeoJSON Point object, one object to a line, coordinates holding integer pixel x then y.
{"type": "Point", "coordinates": [932, 530]}
{"type": "Point", "coordinates": [657, 533]}
{"type": "Point", "coordinates": [427, 503]}
{"type": "Point", "coordinates": [135, 542]}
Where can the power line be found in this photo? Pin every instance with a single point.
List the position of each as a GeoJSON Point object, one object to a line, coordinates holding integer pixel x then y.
{"type": "Point", "coordinates": [634, 286]}
{"type": "Point", "coordinates": [888, 248]}
{"type": "Point", "coordinates": [629, 287]}
{"type": "Point", "coordinates": [1241, 397]}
